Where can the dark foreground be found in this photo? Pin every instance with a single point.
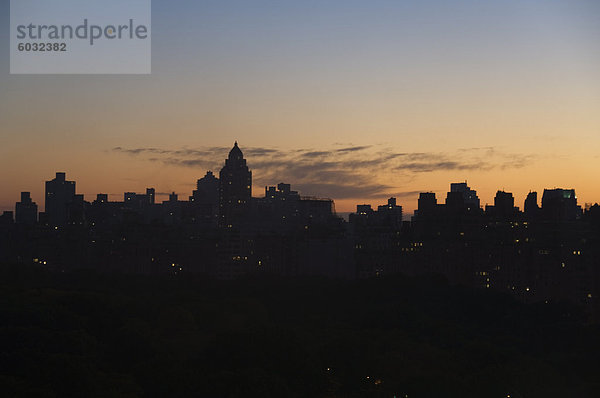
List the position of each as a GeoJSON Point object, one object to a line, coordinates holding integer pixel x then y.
{"type": "Point", "coordinates": [94, 335]}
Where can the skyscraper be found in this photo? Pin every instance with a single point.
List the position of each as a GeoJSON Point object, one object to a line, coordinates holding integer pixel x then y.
{"type": "Point", "coordinates": [560, 205]}
{"type": "Point", "coordinates": [235, 188]}
{"type": "Point", "coordinates": [504, 206]}
{"type": "Point", "coordinates": [207, 190]}
{"type": "Point", "coordinates": [531, 207]}
{"type": "Point", "coordinates": [427, 205]}
{"type": "Point", "coordinates": [26, 210]}
{"type": "Point", "coordinates": [59, 194]}
{"type": "Point", "coordinates": [470, 198]}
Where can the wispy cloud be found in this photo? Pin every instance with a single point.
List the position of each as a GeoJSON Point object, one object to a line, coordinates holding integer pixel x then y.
{"type": "Point", "coordinates": [431, 166]}
{"type": "Point", "coordinates": [340, 173]}
{"type": "Point", "coordinates": [353, 148]}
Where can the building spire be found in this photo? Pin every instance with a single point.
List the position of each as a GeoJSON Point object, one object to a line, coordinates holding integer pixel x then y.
{"type": "Point", "coordinates": [236, 152]}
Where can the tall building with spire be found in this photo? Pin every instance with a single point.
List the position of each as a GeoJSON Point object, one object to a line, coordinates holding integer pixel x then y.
{"type": "Point", "coordinates": [235, 188]}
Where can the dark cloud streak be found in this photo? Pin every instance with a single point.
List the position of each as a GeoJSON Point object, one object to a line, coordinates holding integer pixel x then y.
{"type": "Point", "coordinates": [343, 173]}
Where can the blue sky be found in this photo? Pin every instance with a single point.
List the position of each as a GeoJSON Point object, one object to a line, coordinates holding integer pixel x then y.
{"type": "Point", "coordinates": [434, 77]}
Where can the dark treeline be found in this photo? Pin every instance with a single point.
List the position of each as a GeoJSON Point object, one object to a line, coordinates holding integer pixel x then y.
{"type": "Point", "coordinates": [90, 334]}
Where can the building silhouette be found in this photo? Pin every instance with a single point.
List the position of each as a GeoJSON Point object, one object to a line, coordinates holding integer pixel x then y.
{"type": "Point", "coordinates": [504, 207]}
{"type": "Point", "coordinates": [560, 205]}
{"type": "Point", "coordinates": [59, 195]}
{"type": "Point", "coordinates": [7, 218]}
{"type": "Point", "coordinates": [26, 210]}
{"type": "Point", "coordinates": [207, 190]}
{"type": "Point", "coordinates": [140, 201]}
{"type": "Point", "coordinates": [427, 205]}
{"type": "Point", "coordinates": [235, 188]}
{"type": "Point", "coordinates": [531, 207]}
{"type": "Point", "coordinates": [205, 199]}
{"type": "Point", "coordinates": [461, 196]}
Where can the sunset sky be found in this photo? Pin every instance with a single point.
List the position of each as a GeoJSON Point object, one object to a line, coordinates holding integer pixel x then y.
{"type": "Point", "coordinates": [353, 100]}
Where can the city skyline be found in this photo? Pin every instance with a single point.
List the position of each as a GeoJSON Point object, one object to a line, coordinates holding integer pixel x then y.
{"type": "Point", "coordinates": [300, 198]}
{"type": "Point", "coordinates": [236, 163]}
{"type": "Point", "coordinates": [223, 231]}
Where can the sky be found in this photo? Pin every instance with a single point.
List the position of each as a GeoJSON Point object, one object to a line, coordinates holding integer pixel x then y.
{"type": "Point", "coordinates": [352, 100]}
